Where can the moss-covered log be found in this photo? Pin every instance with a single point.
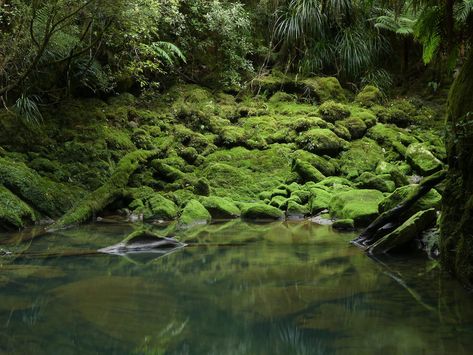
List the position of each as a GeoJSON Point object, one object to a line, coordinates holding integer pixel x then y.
{"type": "Point", "coordinates": [456, 243]}
{"type": "Point", "coordinates": [97, 200]}
{"type": "Point", "coordinates": [389, 220]}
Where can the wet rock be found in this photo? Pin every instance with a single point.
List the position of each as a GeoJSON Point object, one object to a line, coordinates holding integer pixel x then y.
{"type": "Point", "coordinates": [296, 210]}
{"type": "Point", "coordinates": [422, 160]}
{"type": "Point", "coordinates": [194, 213]}
{"type": "Point", "coordinates": [344, 224]}
{"type": "Point", "coordinates": [221, 208]}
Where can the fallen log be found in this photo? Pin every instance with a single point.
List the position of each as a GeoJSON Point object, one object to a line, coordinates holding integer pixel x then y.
{"type": "Point", "coordinates": [389, 220]}
{"type": "Point", "coordinates": [97, 200]}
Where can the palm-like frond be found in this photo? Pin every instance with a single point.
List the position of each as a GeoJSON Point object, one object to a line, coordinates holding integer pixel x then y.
{"type": "Point", "coordinates": [26, 108]}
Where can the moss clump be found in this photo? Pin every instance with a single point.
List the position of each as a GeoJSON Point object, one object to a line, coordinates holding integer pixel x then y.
{"type": "Point", "coordinates": [359, 205]}
{"type": "Point", "coordinates": [369, 180]}
{"type": "Point", "coordinates": [422, 160]}
{"type": "Point", "coordinates": [398, 112]}
{"type": "Point", "coordinates": [282, 97]}
{"type": "Point", "coordinates": [259, 211]}
{"type": "Point", "coordinates": [161, 207]}
{"type": "Point", "coordinates": [356, 127]}
{"type": "Point", "coordinates": [221, 208]}
{"type": "Point", "coordinates": [332, 111]}
{"type": "Point", "coordinates": [194, 213]}
{"type": "Point", "coordinates": [367, 117]}
{"type": "Point", "coordinates": [306, 171]}
{"type": "Point", "coordinates": [319, 200]}
{"type": "Point", "coordinates": [47, 197]}
{"type": "Point", "coordinates": [363, 155]}
{"type": "Point", "coordinates": [14, 213]}
{"type": "Point", "coordinates": [392, 137]}
{"type": "Point", "coordinates": [325, 88]}
{"type": "Point", "coordinates": [328, 167]}
{"type": "Point", "coordinates": [369, 96]}
{"type": "Point", "coordinates": [296, 210]}
{"type": "Point", "coordinates": [279, 202]}
{"type": "Point", "coordinates": [321, 141]}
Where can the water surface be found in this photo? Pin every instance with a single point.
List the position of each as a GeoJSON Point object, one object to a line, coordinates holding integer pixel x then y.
{"type": "Point", "coordinates": [237, 288]}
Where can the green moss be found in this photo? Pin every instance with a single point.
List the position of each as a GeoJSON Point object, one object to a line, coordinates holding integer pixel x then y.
{"type": "Point", "coordinates": [271, 83]}
{"type": "Point", "coordinates": [381, 183]}
{"type": "Point", "coordinates": [367, 117]}
{"type": "Point", "coordinates": [45, 196]}
{"type": "Point", "coordinates": [117, 138]}
{"type": "Point", "coordinates": [107, 193]}
{"type": "Point", "coordinates": [279, 202]}
{"type": "Point", "coordinates": [363, 155]}
{"type": "Point", "coordinates": [328, 167]}
{"type": "Point", "coordinates": [359, 205]}
{"type": "Point", "coordinates": [422, 160]}
{"type": "Point", "coordinates": [370, 95]}
{"type": "Point", "coordinates": [221, 208]}
{"type": "Point", "coordinates": [161, 207]}
{"type": "Point", "coordinates": [399, 112]}
{"type": "Point", "coordinates": [319, 200]}
{"type": "Point", "coordinates": [356, 127]}
{"type": "Point", "coordinates": [302, 196]}
{"type": "Point", "coordinates": [306, 171]}
{"type": "Point", "coordinates": [332, 111]}
{"type": "Point", "coordinates": [296, 210]}
{"type": "Point", "coordinates": [282, 97]}
{"type": "Point", "coordinates": [14, 213]}
{"type": "Point", "coordinates": [431, 200]}
{"type": "Point", "coordinates": [325, 88]}
{"type": "Point", "coordinates": [321, 141]}
{"type": "Point", "coordinates": [392, 137]}
{"type": "Point", "coordinates": [259, 211]}
{"type": "Point", "coordinates": [194, 213]}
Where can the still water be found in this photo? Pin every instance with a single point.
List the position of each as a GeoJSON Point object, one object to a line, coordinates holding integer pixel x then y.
{"type": "Point", "coordinates": [237, 288]}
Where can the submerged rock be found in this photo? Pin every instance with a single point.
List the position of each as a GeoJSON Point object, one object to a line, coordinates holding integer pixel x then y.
{"type": "Point", "coordinates": [344, 224]}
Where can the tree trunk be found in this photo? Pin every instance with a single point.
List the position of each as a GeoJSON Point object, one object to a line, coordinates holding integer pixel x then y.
{"type": "Point", "coordinates": [456, 243]}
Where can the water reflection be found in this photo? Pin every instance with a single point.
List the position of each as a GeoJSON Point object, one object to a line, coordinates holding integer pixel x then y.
{"type": "Point", "coordinates": [238, 288]}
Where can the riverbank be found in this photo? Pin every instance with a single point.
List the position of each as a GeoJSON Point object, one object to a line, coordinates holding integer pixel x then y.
{"type": "Point", "coordinates": [282, 149]}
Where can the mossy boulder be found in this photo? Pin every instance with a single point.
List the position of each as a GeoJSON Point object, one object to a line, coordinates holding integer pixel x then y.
{"type": "Point", "coordinates": [259, 211]}
{"type": "Point", "coordinates": [295, 210]}
{"type": "Point", "coordinates": [368, 117]}
{"type": "Point", "coordinates": [194, 213]}
{"type": "Point", "coordinates": [422, 160]}
{"type": "Point", "coordinates": [399, 112]}
{"type": "Point", "coordinates": [332, 111]}
{"type": "Point", "coordinates": [356, 127]}
{"type": "Point", "coordinates": [162, 208]}
{"type": "Point", "coordinates": [342, 131]}
{"type": "Point", "coordinates": [325, 88]}
{"type": "Point", "coordinates": [359, 205]}
{"type": "Point", "coordinates": [362, 155]}
{"type": "Point", "coordinates": [381, 183]}
{"type": "Point", "coordinates": [370, 95]}
{"type": "Point", "coordinates": [391, 136]}
{"type": "Point", "coordinates": [306, 171]}
{"type": "Point", "coordinates": [321, 141]}
{"type": "Point", "coordinates": [14, 213]}
{"type": "Point", "coordinates": [326, 166]}
{"type": "Point", "coordinates": [319, 200]}
{"type": "Point", "coordinates": [221, 208]}
{"type": "Point", "coordinates": [281, 96]}
{"type": "Point", "coordinates": [279, 202]}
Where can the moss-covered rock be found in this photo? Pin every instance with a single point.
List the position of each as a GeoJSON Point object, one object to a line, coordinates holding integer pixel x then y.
{"type": "Point", "coordinates": [325, 88]}
{"type": "Point", "coordinates": [359, 205]}
{"type": "Point", "coordinates": [221, 208]}
{"type": "Point", "coordinates": [295, 210]}
{"type": "Point", "coordinates": [369, 96]}
{"type": "Point", "coordinates": [391, 136]}
{"type": "Point", "coordinates": [381, 183]}
{"type": "Point", "coordinates": [356, 126]}
{"type": "Point", "coordinates": [194, 213]}
{"type": "Point", "coordinates": [259, 211]}
{"type": "Point", "coordinates": [321, 141]}
{"type": "Point", "coordinates": [399, 112]}
{"type": "Point", "coordinates": [306, 171]}
{"type": "Point", "coordinates": [363, 155]}
{"type": "Point", "coordinates": [332, 111]}
{"type": "Point", "coordinates": [422, 160]}
{"type": "Point", "coordinates": [279, 202]}
{"type": "Point", "coordinates": [162, 208]}
{"type": "Point", "coordinates": [282, 97]}
{"type": "Point", "coordinates": [319, 200]}
{"type": "Point", "coordinates": [326, 166]}
{"type": "Point", "coordinates": [14, 213]}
